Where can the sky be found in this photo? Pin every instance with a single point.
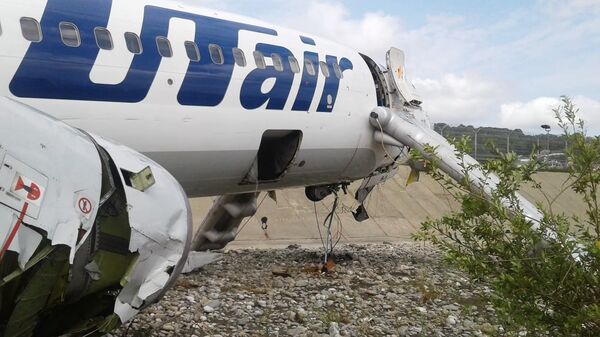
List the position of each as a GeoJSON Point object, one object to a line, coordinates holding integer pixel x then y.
{"type": "Point", "coordinates": [485, 63]}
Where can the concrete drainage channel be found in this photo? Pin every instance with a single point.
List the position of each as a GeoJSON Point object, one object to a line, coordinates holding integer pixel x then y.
{"type": "Point", "coordinates": [396, 212]}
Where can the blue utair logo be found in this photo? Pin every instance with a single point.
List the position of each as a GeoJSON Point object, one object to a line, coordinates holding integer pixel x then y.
{"type": "Point", "coordinates": [52, 70]}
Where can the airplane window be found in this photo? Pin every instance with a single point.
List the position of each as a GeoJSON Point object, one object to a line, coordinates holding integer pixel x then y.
{"type": "Point", "coordinates": [294, 65]}
{"type": "Point", "coordinates": [134, 45]}
{"type": "Point", "coordinates": [338, 71]}
{"type": "Point", "coordinates": [325, 69]}
{"type": "Point", "coordinates": [216, 54]}
{"type": "Point", "coordinates": [31, 30]}
{"type": "Point", "coordinates": [240, 58]}
{"type": "Point", "coordinates": [259, 58]}
{"type": "Point", "coordinates": [103, 38]}
{"type": "Point", "coordinates": [69, 34]}
{"type": "Point", "coordinates": [277, 62]}
{"type": "Point", "coordinates": [164, 46]}
{"type": "Point", "coordinates": [310, 67]}
{"type": "Point", "coordinates": [191, 48]}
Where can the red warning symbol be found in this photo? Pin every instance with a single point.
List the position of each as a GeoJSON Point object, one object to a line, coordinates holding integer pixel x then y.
{"type": "Point", "coordinates": [85, 206]}
{"type": "Point", "coordinates": [33, 190]}
{"type": "Point", "coordinates": [28, 190]}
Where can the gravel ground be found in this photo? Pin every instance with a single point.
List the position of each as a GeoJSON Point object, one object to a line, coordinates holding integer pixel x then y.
{"type": "Point", "coordinates": [374, 290]}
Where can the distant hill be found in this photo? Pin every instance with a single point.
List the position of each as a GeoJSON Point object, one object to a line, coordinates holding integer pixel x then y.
{"type": "Point", "coordinates": [503, 138]}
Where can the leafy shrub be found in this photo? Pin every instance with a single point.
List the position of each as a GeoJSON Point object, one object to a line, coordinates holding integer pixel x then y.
{"type": "Point", "coordinates": [545, 278]}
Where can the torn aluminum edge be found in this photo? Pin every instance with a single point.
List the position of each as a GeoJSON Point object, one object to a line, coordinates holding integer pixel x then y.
{"type": "Point", "coordinates": [161, 231]}
{"type": "Point", "coordinates": [55, 170]}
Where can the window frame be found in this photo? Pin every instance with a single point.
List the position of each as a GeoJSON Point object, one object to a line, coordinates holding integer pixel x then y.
{"type": "Point", "coordinates": [259, 60]}
{"type": "Point", "coordinates": [325, 69]}
{"type": "Point", "coordinates": [109, 34]}
{"type": "Point", "coordinates": [164, 39]}
{"type": "Point", "coordinates": [38, 26]}
{"type": "Point", "coordinates": [239, 55]}
{"type": "Point", "coordinates": [138, 41]}
{"type": "Point", "coordinates": [196, 51]}
{"type": "Point", "coordinates": [338, 71]}
{"type": "Point", "coordinates": [218, 48]}
{"type": "Point", "coordinates": [310, 67]}
{"type": "Point", "coordinates": [63, 27]}
{"type": "Point", "coordinates": [294, 64]}
{"type": "Point", "coordinates": [277, 65]}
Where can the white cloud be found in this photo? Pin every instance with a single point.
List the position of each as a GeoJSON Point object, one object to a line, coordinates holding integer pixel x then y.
{"type": "Point", "coordinates": [530, 115]}
{"type": "Point", "coordinates": [460, 99]}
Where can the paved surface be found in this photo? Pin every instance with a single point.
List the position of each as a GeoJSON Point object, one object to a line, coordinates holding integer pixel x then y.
{"type": "Point", "coordinates": [395, 209]}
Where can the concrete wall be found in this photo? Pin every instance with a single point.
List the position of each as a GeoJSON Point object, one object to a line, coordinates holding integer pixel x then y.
{"type": "Point", "coordinates": [395, 209]}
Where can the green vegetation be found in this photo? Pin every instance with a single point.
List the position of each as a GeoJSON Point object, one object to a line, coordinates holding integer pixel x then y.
{"type": "Point", "coordinates": [546, 280]}
{"type": "Point", "coordinates": [515, 140]}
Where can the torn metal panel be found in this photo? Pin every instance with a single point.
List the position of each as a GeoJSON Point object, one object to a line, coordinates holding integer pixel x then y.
{"type": "Point", "coordinates": [161, 223]}
{"type": "Point", "coordinates": [32, 174]}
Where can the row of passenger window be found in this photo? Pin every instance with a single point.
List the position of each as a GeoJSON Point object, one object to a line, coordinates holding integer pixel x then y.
{"type": "Point", "coordinates": [71, 37]}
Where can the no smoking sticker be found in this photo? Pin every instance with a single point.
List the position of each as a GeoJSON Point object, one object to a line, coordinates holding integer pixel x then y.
{"type": "Point", "coordinates": [85, 206]}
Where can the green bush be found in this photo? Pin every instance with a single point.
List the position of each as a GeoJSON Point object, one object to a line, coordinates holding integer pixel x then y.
{"type": "Point", "coordinates": [545, 280]}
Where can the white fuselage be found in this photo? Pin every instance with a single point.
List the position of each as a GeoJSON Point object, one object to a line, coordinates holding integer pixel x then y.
{"type": "Point", "coordinates": [210, 145]}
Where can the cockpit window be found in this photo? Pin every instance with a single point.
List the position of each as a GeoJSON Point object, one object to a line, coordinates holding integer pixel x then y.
{"type": "Point", "coordinates": [191, 48]}
{"type": "Point", "coordinates": [69, 34]}
{"type": "Point", "coordinates": [310, 67]}
{"type": "Point", "coordinates": [134, 45]}
{"type": "Point", "coordinates": [103, 38]}
{"type": "Point", "coordinates": [164, 47]}
{"type": "Point", "coordinates": [216, 54]}
{"type": "Point", "coordinates": [259, 58]}
{"type": "Point", "coordinates": [31, 30]}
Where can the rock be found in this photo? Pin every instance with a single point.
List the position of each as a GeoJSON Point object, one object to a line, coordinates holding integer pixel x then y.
{"type": "Point", "coordinates": [215, 304]}
{"type": "Point", "coordinates": [168, 327]}
{"type": "Point", "coordinates": [301, 283]}
{"type": "Point", "coordinates": [243, 321]}
{"type": "Point", "coordinates": [334, 330]}
{"type": "Point", "coordinates": [487, 328]}
{"type": "Point", "coordinates": [296, 331]}
{"type": "Point", "coordinates": [280, 271]}
{"type": "Point", "coordinates": [374, 292]}
{"type": "Point", "coordinates": [301, 313]}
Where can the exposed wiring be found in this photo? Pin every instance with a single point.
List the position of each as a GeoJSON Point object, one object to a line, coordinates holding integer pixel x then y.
{"type": "Point", "coordinates": [319, 227]}
{"type": "Point", "coordinates": [383, 144]}
{"type": "Point", "coordinates": [252, 217]}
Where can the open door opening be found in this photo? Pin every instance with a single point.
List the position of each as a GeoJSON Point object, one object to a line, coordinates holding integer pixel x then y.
{"type": "Point", "coordinates": [381, 87]}
{"type": "Point", "coordinates": [277, 150]}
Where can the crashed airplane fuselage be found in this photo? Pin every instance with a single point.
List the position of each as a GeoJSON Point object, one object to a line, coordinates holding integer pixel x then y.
{"type": "Point", "coordinates": [206, 104]}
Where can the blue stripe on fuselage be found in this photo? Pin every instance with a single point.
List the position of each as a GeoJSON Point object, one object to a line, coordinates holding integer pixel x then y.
{"type": "Point", "coordinates": [52, 70]}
